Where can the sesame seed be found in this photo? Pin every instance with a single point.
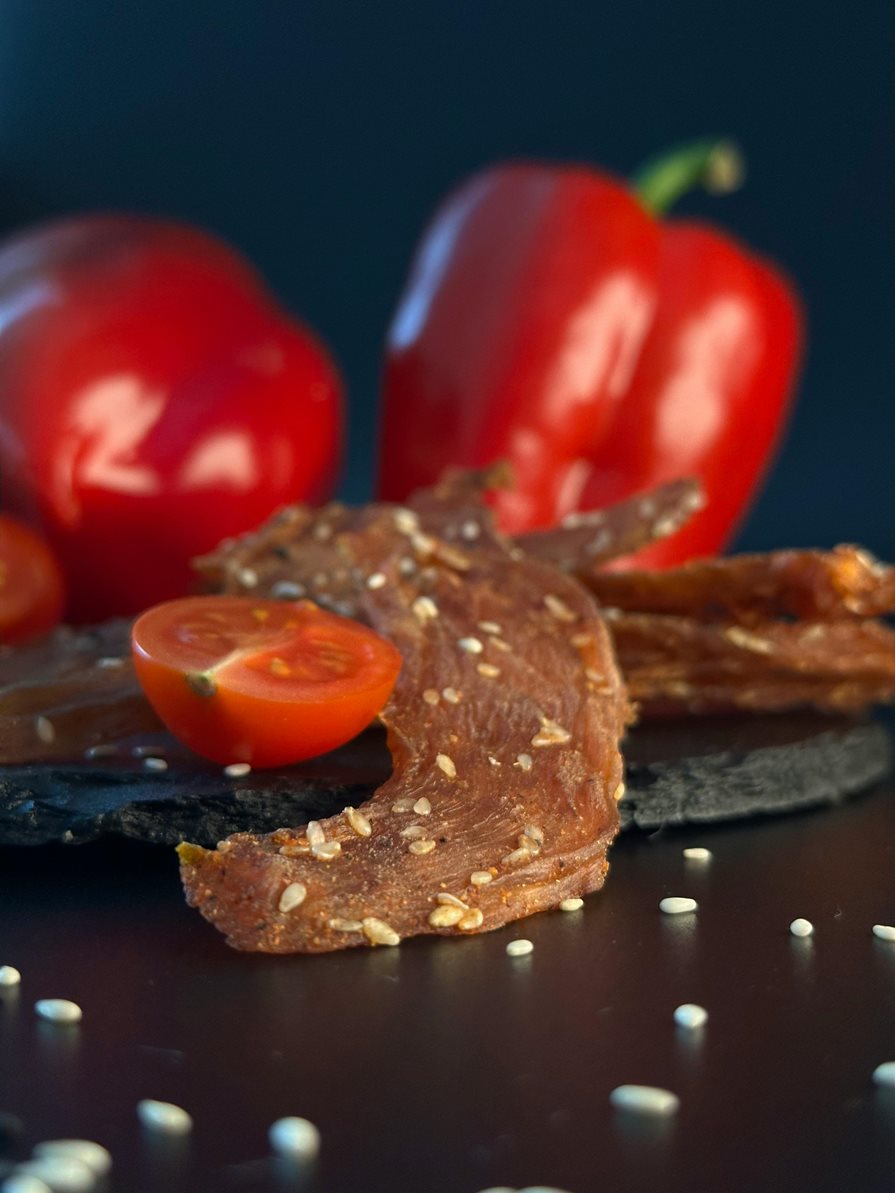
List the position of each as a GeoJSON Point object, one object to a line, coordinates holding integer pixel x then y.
{"type": "Point", "coordinates": [422, 807]}
{"type": "Point", "coordinates": [327, 851]}
{"type": "Point", "coordinates": [451, 695]}
{"type": "Point", "coordinates": [696, 853]}
{"type": "Point", "coordinates": [471, 645]}
{"type": "Point", "coordinates": [424, 609]}
{"type": "Point", "coordinates": [24, 1182]}
{"type": "Point", "coordinates": [9, 975]}
{"type": "Point", "coordinates": [519, 948]}
{"type": "Point", "coordinates": [44, 729]}
{"type": "Point", "coordinates": [690, 1015]}
{"type": "Point", "coordinates": [593, 675]}
{"type": "Point", "coordinates": [247, 577]}
{"type": "Point", "coordinates": [62, 1174]}
{"type": "Point", "coordinates": [494, 761]}
{"type": "Point", "coordinates": [884, 1074]}
{"type": "Point", "coordinates": [488, 670]}
{"type": "Point", "coordinates": [315, 834]}
{"type": "Point", "coordinates": [472, 920]}
{"type": "Point", "coordinates": [414, 832]}
{"type": "Point", "coordinates": [746, 641]}
{"type": "Point", "coordinates": [338, 924]}
{"type": "Point", "coordinates": [319, 579]}
{"type": "Point", "coordinates": [97, 1158]}
{"type": "Point", "coordinates": [523, 761]}
{"type": "Point", "coordinates": [534, 833]}
{"type": "Point", "coordinates": [431, 696]}
{"type": "Point", "coordinates": [287, 590]}
{"type": "Point", "coordinates": [662, 527]}
{"type": "Point", "coordinates": [293, 896]}
{"type": "Point", "coordinates": [446, 916]}
{"type": "Point", "coordinates": [644, 1099]}
{"type": "Point", "coordinates": [377, 580]}
{"type": "Point", "coordinates": [155, 764]}
{"type": "Point", "coordinates": [573, 904]}
{"type": "Point", "coordinates": [880, 931]}
{"type": "Point", "coordinates": [146, 751]}
{"type": "Point", "coordinates": [403, 805]}
{"type": "Point", "coordinates": [322, 532]}
{"type": "Point", "coordinates": [358, 822]}
{"type": "Point", "coordinates": [424, 845]}
{"type": "Point", "coordinates": [406, 566]}
{"type": "Point", "coordinates": [296, 849]}
{"type": "Point", "coordinates": [446, 764]}
{"type": "Point", "coordinates": [499, 644]}
{"type": "Point", "coordinates": [470, 531]}
{"type": "Point", "coordinates": [101, 750]}
{"type": "Point", "coordinates": [109, 663]}
{"type": "Point", "coordinates": [800, 927]}
{"type": "Point", "coordinates": [524, 842]}
{"type": "Point", "coordinates": [676, 905]}
{"type": "Point", "coordinates": [422, 544]}
{"type": "Point", "coordinates": [619, 792]}
{"type": "Point", "coordinates": [558, 608]}
{"type": "Point", "coordinates": [550, 734]}
{"type": "Point", "coordinates": [295, 1138]}
{"type": "Point", "coordinates": [490, 627]}
{"type": "Point", "coordinates": [517, 857]}
{"type": "Point", "coordinates": [481, 877]}
{"type": "Point", "coordinates": [451, 900]}
{"type": "Point", "coordinates": [58, 1010]}
{"type": "Point", "coordinates": [164, 1117]}
{"type": "Point", "coordinates": [406, 520]}
{"type": "Point", "coordinates": [236, 770]}
{"type": "Point", "coordinates": [379, 932]}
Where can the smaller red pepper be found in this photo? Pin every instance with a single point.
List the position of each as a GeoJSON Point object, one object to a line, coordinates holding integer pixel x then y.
{"type": "Point", "coordinates": [551, 320]}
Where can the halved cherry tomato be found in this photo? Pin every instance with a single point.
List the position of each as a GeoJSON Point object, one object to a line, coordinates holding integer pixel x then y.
{"type": "Point", "coordinates": [32, 591]}
{"type": "Point", "coordinates": [265, 682]}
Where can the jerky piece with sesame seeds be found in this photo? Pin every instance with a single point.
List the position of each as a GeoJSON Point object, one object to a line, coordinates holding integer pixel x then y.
{"type": "Point", "coordinates": [846, 582]}
{"type": "Point", "coordinates": [589, 539]}
{"type": "Point", "coordinates": [541, 833]}
{"type": "Point", "coordinates": [676, 665]}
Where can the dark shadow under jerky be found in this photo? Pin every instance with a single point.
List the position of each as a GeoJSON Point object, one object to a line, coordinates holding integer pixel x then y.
{"type": "Point", "coordinates": [675, 665]}
{"type": "Point", "coordinates": [846, 582]}
{"type": "Point", "coordinates": [504, 730]}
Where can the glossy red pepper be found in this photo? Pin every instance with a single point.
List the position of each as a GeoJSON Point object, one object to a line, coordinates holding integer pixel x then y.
{"type": "Point", "coordinates": [550, 319]}
{"type": "Point", "coordinates": [153, 400]}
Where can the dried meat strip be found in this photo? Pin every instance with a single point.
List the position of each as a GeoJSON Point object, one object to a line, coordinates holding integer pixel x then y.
{"type": "Point", "coordinates": [587, 540]}
{"type": "Point", "coordinates": [677, 666]}
{"type": "Point", "coordinates": [69, 692]}
{"type": "Point", "coordinates": [808, 585]}
{"type": "Point", "coordinates": [504, 730]}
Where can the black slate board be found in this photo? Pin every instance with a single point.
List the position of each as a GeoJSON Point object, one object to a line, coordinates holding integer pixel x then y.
{"type": "Point", "coordinates": [698, 772]}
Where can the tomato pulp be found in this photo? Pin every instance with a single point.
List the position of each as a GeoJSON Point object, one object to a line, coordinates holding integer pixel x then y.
{"type": "Point", "coordinates": [263, 682]}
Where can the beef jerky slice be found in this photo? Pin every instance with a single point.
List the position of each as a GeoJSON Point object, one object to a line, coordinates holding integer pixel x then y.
{"type": "Point", "coordinates": [807, 585]}
{"type": "Point", "coordinates": [586, 540]}
{"type": "Point", "coordinates": [504, 730]}
{"type": "Point", "coordinates": [675, 665]}
{"type": "Point", "coordinates": [68, 692]}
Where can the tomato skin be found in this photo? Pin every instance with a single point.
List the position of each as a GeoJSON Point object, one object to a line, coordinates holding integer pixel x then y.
{"type": "Point", "coordinates": [264, 682]}
{"type": "Point", "coordinates": [32, 590]}
{"type": "Point", "coordinates": [153, 400]}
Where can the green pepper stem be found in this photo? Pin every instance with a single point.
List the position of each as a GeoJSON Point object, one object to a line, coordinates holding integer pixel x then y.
{"type": "Point", "coordinates": [714, 164]}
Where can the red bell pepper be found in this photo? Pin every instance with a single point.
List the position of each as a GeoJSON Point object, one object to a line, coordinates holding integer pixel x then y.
{"type": "Point", "coordinates": [551, 320]}
{"type": "Point", "coordinates": [153, 400]}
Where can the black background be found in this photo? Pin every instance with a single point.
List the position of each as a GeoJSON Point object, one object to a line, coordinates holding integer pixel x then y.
{"type": "Point", "coordinates": [318, 137]}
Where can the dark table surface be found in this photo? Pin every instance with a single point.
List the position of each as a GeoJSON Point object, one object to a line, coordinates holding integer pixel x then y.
{"type": "Point", "coordinates": [446, 1066]}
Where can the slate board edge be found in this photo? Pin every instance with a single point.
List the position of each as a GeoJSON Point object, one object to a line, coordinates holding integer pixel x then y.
{"type": "Point", "coordinates": [42, 807]}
